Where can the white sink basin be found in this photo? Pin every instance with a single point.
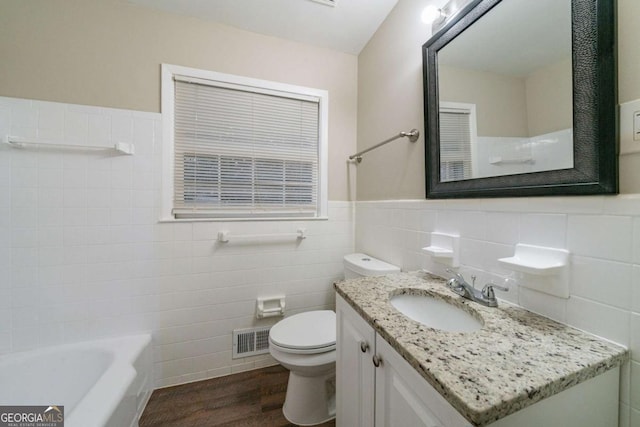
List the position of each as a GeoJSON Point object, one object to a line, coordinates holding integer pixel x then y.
{"type": "Point", "coordinates": [435, 313]}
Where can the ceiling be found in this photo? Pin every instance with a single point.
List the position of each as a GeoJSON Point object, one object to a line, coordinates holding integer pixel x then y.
{"type": "Point", "coordinates": [345, 27]}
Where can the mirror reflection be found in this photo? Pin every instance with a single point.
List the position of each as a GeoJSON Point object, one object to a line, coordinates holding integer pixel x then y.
{"type": "Point", "coordinates": [505, 93]}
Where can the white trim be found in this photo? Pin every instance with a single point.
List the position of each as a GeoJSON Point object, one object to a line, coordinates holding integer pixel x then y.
{"type": "Point", "coordinates": [300, 219]}
{"type": "Point", "coordinates": [167, 111]}
{"type": "Point", "coordinates": [244, 87]}
{"type": "Point", "coordinates": [323, 157]}
{"type": "Point", "coordinates": [168, 74]}
{"type": "Point", "coordinates": [249, 83]}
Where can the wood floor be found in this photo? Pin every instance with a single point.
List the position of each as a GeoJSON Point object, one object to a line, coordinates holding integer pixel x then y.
{"type": "Point", "coordinates": [253, 398]}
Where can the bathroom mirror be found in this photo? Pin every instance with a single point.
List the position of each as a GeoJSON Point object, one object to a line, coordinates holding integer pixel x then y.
{"type": "Point", "coordinates": [520, 100]}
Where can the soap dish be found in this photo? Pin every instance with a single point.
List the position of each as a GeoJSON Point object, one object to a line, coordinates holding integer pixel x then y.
{"type": "Point", "coordinates": [444, 248]}
{"type": "Point", "coordinates": [536, 260]}
{"type": "Point", "coordinates": [438, 252]}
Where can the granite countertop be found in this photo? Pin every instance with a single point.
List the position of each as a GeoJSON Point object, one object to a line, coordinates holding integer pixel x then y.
{"type": "Point", "coordinates": [516, 359]}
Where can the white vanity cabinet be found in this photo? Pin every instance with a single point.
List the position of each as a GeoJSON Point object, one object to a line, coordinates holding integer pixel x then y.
{"type": "Point", "coordinates": [394, 394]}
{"type": "Point", "coordinates": [355, 372]}
{"type": "Point", "coordinates": [390, 394]}
{"type": "Point", "coordinates": [404, 398]}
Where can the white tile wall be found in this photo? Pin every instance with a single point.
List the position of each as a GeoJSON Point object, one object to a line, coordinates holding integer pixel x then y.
{"type": "Point", "coordinates": [82, 255]}
{"type": "Point", "coordinates": [602, 234]}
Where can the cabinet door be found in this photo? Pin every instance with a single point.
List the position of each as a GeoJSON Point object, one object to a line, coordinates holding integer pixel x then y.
{"type": "Point", "coordinates": [355, 373]}
{"type": "Point", "coordinates": [405, 399]}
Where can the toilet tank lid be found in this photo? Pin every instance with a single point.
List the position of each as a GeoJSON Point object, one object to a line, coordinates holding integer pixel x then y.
{"type": "Point", "coordinates": [368, 266]}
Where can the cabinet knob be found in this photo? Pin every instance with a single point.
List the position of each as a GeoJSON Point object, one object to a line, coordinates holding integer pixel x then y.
{"type": "Point", "coordinates": [377, 361]}
{"type": "Point", "coordinates": [364, 346]}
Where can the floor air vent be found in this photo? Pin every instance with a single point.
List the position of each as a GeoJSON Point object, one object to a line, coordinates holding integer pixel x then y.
{"type": "Point", "coordinates": [251, 341]}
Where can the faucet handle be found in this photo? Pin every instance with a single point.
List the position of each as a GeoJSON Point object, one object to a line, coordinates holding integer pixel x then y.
{"type": "Point", "coordinates": [487, 290]}
{"type": "Point", "coordinates": [456, 274]}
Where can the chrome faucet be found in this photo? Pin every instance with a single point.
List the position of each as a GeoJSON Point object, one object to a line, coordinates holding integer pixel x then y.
{"type": "Point", "coordinates": [485, 297]}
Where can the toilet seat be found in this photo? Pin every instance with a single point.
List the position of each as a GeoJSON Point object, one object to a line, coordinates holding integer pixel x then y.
{"type": "Point", "coordinates": [305, 333]}
{"type": "Point", "coordinates": [305, 344]}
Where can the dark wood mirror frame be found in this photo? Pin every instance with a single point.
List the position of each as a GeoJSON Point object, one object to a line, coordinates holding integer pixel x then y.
{"type": "Point", "coordinates": [595, 119]}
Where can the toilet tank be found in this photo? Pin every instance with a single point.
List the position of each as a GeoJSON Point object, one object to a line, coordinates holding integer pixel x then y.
{"type": "Point", "coordinates": [358, 265]}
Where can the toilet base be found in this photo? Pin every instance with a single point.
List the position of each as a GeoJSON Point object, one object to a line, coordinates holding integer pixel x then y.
{"type": "Point", "coordinates": [310, 400]}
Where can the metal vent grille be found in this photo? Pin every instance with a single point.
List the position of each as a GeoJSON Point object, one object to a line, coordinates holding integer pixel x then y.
{"type": "Point", "coordinates": [251, 341]}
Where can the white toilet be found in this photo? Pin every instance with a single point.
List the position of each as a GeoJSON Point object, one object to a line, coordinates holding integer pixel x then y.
{"type": "Point", "coordinates": [305, 344]}
{"type": "Point", "coordinates": [358, 265]}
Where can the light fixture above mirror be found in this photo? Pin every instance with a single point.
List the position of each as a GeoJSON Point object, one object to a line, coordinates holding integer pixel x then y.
{"type": "Point", "coordinates": [439, 16]}
{"type": "Point", "coordinates": [432, 13]}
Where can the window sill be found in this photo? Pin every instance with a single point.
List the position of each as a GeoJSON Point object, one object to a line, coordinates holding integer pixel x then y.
{"type": "Point", "coordinates": [173, 220]}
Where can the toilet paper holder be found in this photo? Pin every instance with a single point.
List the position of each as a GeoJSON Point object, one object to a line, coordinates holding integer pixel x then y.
{"type": "Point", "coordinates": [270, 306]}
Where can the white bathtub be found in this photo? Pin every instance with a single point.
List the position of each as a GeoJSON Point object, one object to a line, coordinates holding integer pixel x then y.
{"type": "Point", "coordinates": [100, 383]}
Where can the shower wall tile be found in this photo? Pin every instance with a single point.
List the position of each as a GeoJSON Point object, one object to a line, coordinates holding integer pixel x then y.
{"type": "Point", "coordinates": [635, 417]}
{"type": "Point", "coordinates": [635, 337]}
{"type": "Point", "coordinates": [635, 385]}
{"type": "Point", "coordinates": [635, 290]}
{"type": "Point", "coordinates": [83, 256]}
{"type": "Point", "coordinates": [601, 236]}
{"type": "Point", "coordinates": [502, 227]}
{"type": "Point", "coordinates": [543, 230]}
{"type": "Point", "coordinates": [600, 280]}
{"type": "Point", "coordinates": [600, 319]}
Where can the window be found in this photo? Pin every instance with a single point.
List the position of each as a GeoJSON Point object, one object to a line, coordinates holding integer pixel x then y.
{"type": "Point", "coordinates": [242, 148]}
{"type": "Point", "coordinates": [457, 137]}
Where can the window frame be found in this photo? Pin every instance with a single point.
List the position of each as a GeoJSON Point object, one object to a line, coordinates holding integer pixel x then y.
{"type": "Point", "coordinates": [254, 85]}
{"type": "Point", "coordinates": [470, 109]}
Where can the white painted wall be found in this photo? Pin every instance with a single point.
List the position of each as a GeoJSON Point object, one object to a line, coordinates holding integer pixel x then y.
{"type": "Point", "coordinates": [82, 255]}
{"type": "Point", "coordinates": [108, 53]}
{"type": "Point", "coordinates": [390, 100]}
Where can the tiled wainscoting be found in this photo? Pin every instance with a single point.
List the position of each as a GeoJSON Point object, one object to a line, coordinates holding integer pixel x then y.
{"type": "Point", "coordinates": [83, 256]}
{"type": "Point", "coordinates": [602, 234]}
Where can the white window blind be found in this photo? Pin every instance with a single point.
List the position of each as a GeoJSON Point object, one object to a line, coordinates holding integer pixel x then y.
{"type": "Point", "coordinates": [455, 144]}
{"type": "Point", "coordinates": [240, 152]}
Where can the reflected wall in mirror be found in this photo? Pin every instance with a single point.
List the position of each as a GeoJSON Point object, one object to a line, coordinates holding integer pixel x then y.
{"type": "Point", "coordinates": [520, 100]}
{"type": "Point", "coordinates": [512, 71]}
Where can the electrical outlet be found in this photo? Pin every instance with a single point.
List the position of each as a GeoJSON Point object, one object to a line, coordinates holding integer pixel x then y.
{"type": "Point", "coordinates": [630, 127]}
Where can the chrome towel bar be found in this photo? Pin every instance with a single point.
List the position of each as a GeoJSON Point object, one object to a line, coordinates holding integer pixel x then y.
{"type": "Point", "coordinates": [413, 135]}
